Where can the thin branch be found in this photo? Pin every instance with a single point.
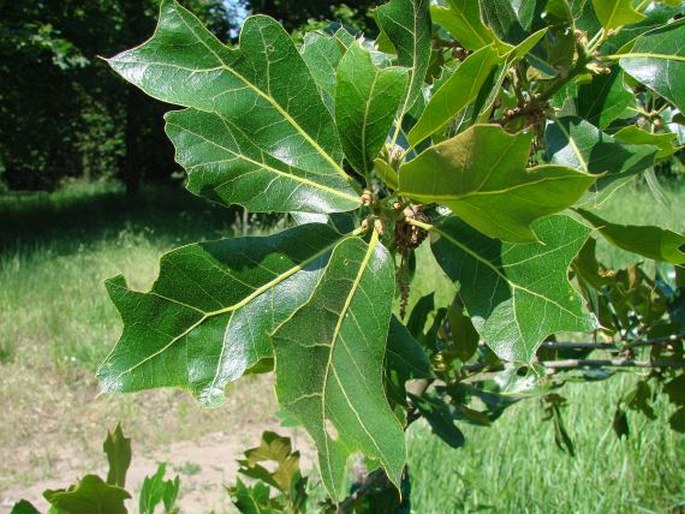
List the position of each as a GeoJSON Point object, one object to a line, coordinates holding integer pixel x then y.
{"type": "Point", "coordinates": [613, 363]}
{"type": "Point", "coordinates": [618, 345]}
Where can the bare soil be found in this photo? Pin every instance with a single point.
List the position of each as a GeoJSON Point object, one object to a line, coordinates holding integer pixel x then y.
{"type": "Point", "coordinates": [51, 446]}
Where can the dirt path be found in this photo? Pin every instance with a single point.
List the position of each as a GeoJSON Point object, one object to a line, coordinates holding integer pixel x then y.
{"type": "Point", "coordinates": [204, 465]}
{"type": "Point", "coordinates": [51, 444]}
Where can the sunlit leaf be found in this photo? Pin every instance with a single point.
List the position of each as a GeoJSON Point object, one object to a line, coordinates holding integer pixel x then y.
{"type": "Point", "coordinates": [653, 242]}
{"type": "Point", "coordinates": [481, 175]}
{"type": "Point", "coordinates": [118, 451]}
{"type": "Point", "coordinates": [574, 142]}
{"type": "Point", "coordinates": [665, 141]}
{"type": "Point", "coordinates": [366, 101]}
{"type": "Point", "coordinates": [462, 19]}
{"type": "Point", "coordinates": [616, 13]}
{"type": "Point", "coordinates": [657, 59]}
{"type": "Point", "coordinates": [257, 131]}
{"type": "Point", "coordinates": [156, 490]}
{"type": "Point", "coordinates": [329, 364]}
{"type": "Point", "coordinates": [208, 316]}
{"type": "Point", "coordinates": [461, 88]}
{"type": "Point", "coordinates": [272, 449]}
{"type": "Point", "coordinates": [513, 20]}
{"type": "Point", "coordinates": [407, 24]}
{"type": "Point", "coordinates": [516, 294]}
{"type": "Point", "coordinates": [89, 495]}
{"type": "Point", "coordinates": [322, 53]}
{"type": "Point", "coordinates": [254, 499]}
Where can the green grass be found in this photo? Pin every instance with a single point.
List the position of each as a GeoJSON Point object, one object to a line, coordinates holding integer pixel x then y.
{"type": "Point", "coordinates": [514, 466]}
{"type": "Point", "coordinates": [57, 324]}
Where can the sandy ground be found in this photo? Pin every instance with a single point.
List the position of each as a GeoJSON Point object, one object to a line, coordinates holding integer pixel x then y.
{"type": "Point", "coordinates": [211, 461]}
{"type": "Point", "coordinates": [52, 445]}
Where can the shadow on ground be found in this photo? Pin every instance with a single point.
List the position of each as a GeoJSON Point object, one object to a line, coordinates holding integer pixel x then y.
{"type": "Point", "coordinates": [69, 220]}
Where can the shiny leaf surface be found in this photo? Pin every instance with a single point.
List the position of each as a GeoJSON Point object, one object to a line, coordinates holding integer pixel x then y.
{"type": "Point", "coordinates": [604, 99]}
{"type": "Point", "coordinates": [322, 53]}
{"type": "Point", "coordinates": [657, 59]}
{"type": "Point", "coordinates": [512, 20]}
{"type": "Point", "coordinates": [577, 143]}
{"type": "Point", "coordinates": [481, 175]}
{"type": "Point", "coordinates": [329, 364]}
{"type": "Point", "coordinates": [462, 19]}
{"type": "Point", "coordinates": [256, 121]}
{"type": "Point", "coordinates": [455, 93]}
{"type": "Point", "coordinates": [616, 13]}
{"type": "Point", "coordinates": [208, 316]}
{"type": "Point", "coordinates": [366, 101]}
{"type": "Point", "coordinates": [516, 294]}
{"type": "Point", "coordinates": [407, 24]}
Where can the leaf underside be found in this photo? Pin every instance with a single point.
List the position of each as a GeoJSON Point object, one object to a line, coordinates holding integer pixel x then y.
{"type": "Point", "coordinates": [481, 175]}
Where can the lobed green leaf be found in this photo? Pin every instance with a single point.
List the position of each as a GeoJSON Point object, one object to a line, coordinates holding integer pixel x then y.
{"type": "Point", "coordinates": [89, 495]}
{"type": "Point", "coordinates": [207, 318]}
{"type": "Point", "coordinates": [366, 101]}
{"type": "Point", "coordinates": [516, 294]}
{"type": "Point", "coordinates": [657, 59]}
{"type": "Point", "coordinates": [329, 364]}
{"type": "Point", "coordinates": [613, 14]}
{"type": "Point", "coordinates": [604, 99]}
{"type": "Point", "coordinates": [576, 143]}
{"type": "Point", "coordinates": [118, 451]}
{"type": "Point", "coordinates": [481, 175]}
{"type": "Point", "coordinates": [462, 19]}
{"type": "Point", "coordinates": [455, 93]}
{"type": "Point", "coordinates": [666, 142]}
{"type": "Point", "coordinates": [256, 121]}
{"type": "Point", "coordinates": [652, 242]}
{"type": "Point", "coordinates": [407, 24]}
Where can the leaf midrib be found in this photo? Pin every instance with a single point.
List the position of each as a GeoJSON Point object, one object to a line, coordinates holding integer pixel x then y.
{"type": "Point", "coordinates": [468, 23]}
{"type": "Point", "coordinates": [574, 147]}
{"type": "Point", "coordinates": [336, 334]}
{"type": "Point", "coordinates": [648, 55]}
{"type": "Point", "coordinates": [367, 106]}
{"type": "Point", "coordinates": [496, 270]}
{"type": "Point", "coordinates": [464, 196]}
{"type": "Point", "coordinates": [271, 101]}
{"type": "Point", "coordinates": [207, 315]}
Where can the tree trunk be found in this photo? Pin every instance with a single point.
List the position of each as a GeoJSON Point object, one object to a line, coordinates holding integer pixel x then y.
{"type": "Point", "coordinates": [132, 166]}
{"type": "Point", "coordinates": [135, 28]}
